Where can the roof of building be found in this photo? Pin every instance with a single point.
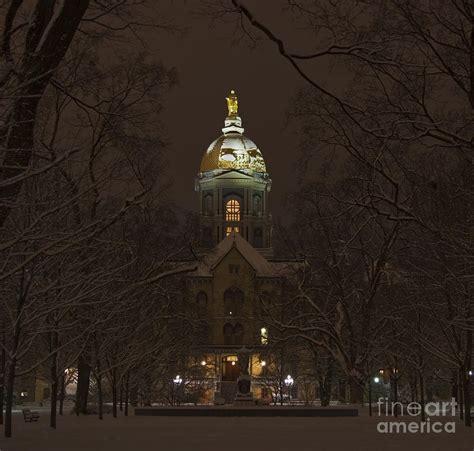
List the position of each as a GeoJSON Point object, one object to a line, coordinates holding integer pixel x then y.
{"type": "Point", "coordinates": [262, 266]}
{"type": "Point", "coordinates": [233, 151]}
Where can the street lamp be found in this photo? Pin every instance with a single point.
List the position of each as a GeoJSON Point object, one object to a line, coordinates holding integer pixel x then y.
{"type": "Point", "coordinates": [289, 383]}
{"type": "Point", "coordinates": [376, 380]}
{"type": "Point", "coordinates": [176, 383]}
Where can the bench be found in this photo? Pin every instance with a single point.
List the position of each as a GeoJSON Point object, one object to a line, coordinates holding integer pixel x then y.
{"type": "Point", "coordinates": [29, 415]}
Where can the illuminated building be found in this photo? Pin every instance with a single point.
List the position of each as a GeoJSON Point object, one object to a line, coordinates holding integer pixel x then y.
{"type": "Point", "coordinates": [236, 270]}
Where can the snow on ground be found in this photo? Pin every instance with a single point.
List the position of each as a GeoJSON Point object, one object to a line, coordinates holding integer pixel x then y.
{"type": "Point", "coordinates": [228, 434]}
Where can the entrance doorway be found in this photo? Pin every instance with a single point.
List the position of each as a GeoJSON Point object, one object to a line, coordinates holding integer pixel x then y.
{"type": "Point", "coordinates": [230, 368]}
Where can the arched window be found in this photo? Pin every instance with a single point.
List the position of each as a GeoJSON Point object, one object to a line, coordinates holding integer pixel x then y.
{"type": "Point", "coordinates": [201, 304]}
{"type": "Point", "coordinates": [202, 332]}
{"type": "Point", "coordinates": [257, 203]}
{"type": "Point", "coordinates": [238, 334]}
{"type": "Point", "coordinates": [233, 302]}
{"type": "Point", "coordinates": [208, 201]}
{"type": "Point", "coordinates": [232, 216]}
{"type": "Point", "coordinates": [228, 334]}
{"type": "Point", "coordinates": [232, 210]}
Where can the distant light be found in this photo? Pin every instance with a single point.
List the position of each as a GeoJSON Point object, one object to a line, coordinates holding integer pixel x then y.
{"type": "Point", "coordinates": [203, 362]}
{"type": "Point", "coordinates": [263, 363]}
{"type": "Point", "coordinates": [288, 380]}
{"type": "Point", "coordinates": [233, 363]}
{"type": "Point", "coordinates": [381, 371]}
{"type": "Point", "coordinates": [264, 336]}
{"type": "Point", "coordinates": [376, 380]}
{"type": "Point", "coordinates": [24, 394]}
{"type": "Point", "coordinates": [177, 380]}
{"type": "Point", "coordinates": [230, 313]}
{"type": "Point", "coordinates": [470, 373]}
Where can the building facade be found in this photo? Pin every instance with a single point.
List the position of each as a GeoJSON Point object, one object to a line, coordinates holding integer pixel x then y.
{"type": "Point", "coordinates": [236, 272]}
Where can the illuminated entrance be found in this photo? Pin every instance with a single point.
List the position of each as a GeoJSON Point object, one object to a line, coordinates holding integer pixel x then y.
{"type": "Point", "coordinates": [230, 368]}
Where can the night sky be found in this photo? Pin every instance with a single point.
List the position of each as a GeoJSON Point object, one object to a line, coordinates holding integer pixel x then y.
{"type": "Point", "coordinates": [209, 64]}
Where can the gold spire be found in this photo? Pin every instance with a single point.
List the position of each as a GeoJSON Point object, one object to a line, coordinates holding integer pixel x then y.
{"type": "Point", "coordinates": [232, 104]}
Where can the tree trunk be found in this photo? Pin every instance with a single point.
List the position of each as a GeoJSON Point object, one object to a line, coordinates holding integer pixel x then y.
{"type": "Point", "coordinates": [454, 387]}
{"type": "Point", "coordinates": [461, 395]}
{"type": "Point", "coordinates": [114, 393]}
{"type": "Point", "coordinates": [54, 379]}
{"type": "Point", "coordinates": [467, 399]}
{"type": "Point", "coordinates": [422, 397]}
{"type": "Point", "coordinates": [9, 398]}
{"type": "Point", "coordinates": [12, 368]}
{"type": "Point", "coordinates": [342, 391]}
{"type": "Point", "coordinates": [121, 396]}
{"type": "Point", "coordinates": [127, 387]}
{"type": "Point", "coordinates": [100, 401]}
{"type": "Point", "coordinates": [83, 380]}
{"type": "Point", "coordinates": [370, 396]}
{"type": "Point", "coordinates": [3, 362]}
{"type": "Point", "coordinates": [356, 391]}
{"type": "Point", "coordinates": [394, 387]}
{"type": "Point", "coordinates": [468, 360]}
{"type": "Point", "coordinates": [413, 393]}
{"type": "Point", "coordinates": [62, 394]}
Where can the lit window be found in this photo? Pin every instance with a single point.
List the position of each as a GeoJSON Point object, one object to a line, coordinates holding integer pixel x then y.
{"type": "Point", "coordinates": [232, 211]}
{"type": "Point", "coordinates": [264, 336]}
{"type": "Point", "coordinates": [229, 230]}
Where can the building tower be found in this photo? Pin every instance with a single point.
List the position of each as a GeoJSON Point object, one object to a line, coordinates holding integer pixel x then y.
{"type": "Point", "coordinates": [233, 186]}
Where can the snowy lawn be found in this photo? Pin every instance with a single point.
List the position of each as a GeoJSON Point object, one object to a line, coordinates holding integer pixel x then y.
{"type": "Point", "coordinates": [229, 434]}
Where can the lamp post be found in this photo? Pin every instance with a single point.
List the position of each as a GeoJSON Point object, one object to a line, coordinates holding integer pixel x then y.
{"type": "Point", "coordinates": [177, 381]}
{"type": "Point", "coordinates": [289, 383]}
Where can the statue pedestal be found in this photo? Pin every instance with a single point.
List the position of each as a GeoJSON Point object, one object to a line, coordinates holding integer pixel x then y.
{"type": "Point", "coordinates": [244, 395]}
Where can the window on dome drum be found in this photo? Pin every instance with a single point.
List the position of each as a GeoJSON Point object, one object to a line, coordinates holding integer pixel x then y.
{"type": "Point", "coordinates": [208, 200]}
{"type": "Point", "coordinates": [257, 203]}
{"type": "Point", "coordinates": [232, 211]}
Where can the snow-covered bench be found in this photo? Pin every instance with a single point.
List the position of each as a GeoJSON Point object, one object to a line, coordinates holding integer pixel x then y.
{"type": "Point", "coordinates": [29, 415]}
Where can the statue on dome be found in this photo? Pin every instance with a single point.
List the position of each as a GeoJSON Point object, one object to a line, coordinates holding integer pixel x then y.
{"type": "Point", "coordinates": [232, 103]}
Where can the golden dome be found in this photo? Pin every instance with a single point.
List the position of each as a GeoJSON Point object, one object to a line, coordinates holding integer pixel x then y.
{"type": "Point", "coordinates": [233, 151]}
